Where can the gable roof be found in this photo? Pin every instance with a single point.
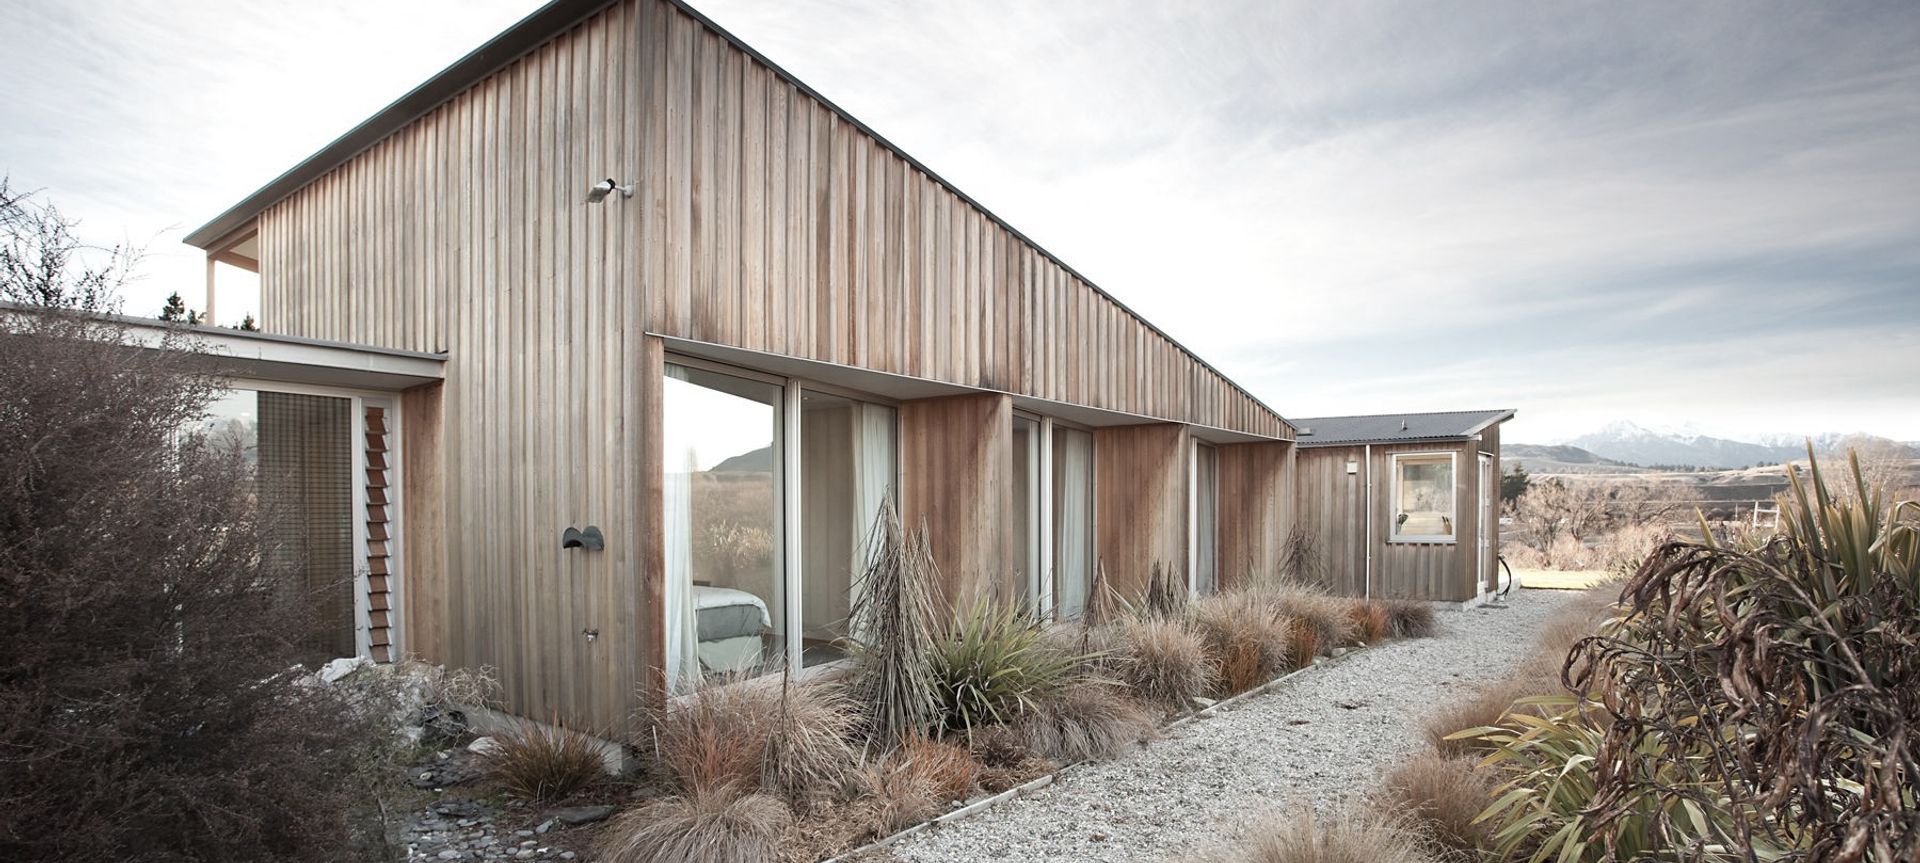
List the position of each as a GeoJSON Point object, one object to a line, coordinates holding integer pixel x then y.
{"type": "Point", "coordinates": [1396, 428]}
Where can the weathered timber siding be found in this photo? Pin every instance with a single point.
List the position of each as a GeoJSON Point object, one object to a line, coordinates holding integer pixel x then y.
{"type": "Point", "coordinates": [1256, 511]}
{"type": "Point", "coordinates": [764, 219]}
{"type": "Point", "coordinates": [1140, 475]}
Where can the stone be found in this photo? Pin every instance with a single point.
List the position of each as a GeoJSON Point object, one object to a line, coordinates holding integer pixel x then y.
{"type": "Point", "coordinates": [524, 854]}
{"type": "Point", "coordinates": [568, 855]}
{"type": "Point", "coordinates": [336, 669]}
{"type": "Point", "coordinates": [483, 746]}
{"type": "Point", "coordinates": [575, 816]}
{"type": "Point", "coordinates": [545, 825]}
{"type": "Point", "coordinates": [449, 854]}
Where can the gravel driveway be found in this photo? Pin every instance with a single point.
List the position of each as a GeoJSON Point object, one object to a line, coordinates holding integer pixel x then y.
{"type": "Point", "coordinates": [1322, 736]}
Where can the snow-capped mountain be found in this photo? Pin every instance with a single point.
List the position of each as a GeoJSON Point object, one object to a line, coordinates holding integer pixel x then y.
{"type": "Point", "coordinates": [1627, 442]}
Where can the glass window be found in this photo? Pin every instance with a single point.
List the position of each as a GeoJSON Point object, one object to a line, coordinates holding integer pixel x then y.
{"type": "Point", "coordinates": [721, 519]}
{"type": "Point", "coordinates": [1206, 500]}
{"type": "Point", "coordinates": [1423, 497]}
{"type": "Point", "coordinates": [846, 475]}
{"type": "Point", "coordinates": [1072, 521]}
{"type": "Point", "coordinates": [300, 451]}
{"type": "Point", "coordinates": [1026, 506]}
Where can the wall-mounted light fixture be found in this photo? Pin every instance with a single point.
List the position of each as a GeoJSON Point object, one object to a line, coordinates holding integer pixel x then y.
{"type": "Point", "coordinates": [599, 191]}
{"type": "Point", "coordinates": [589, 539]}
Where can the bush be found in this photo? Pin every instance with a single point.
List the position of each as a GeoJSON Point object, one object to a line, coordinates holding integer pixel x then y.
{"type": "Point", "coordinates": [1368, 621]}
{"type": "Point", "coordinates": [915, 782]}
{"type": "Point", "coordinates": [1349, 836]}
{"type": "Point", "coordinates": [543, 762]}
{"type": "Point", "coordinates": [996, 667]}
{"type": "Point", "coordinates": [1248, 641]}
{"type": "Point", "coordinates": [1088, 721]}
{"type": "Point", "coordinates": [1443, 797]}
{"type": "Point", "coordinates": [744, 736]}
{"type": "Point", "coordinates": [715, 827]}
{"type": "Point", "coordinates": [145, 631]}
{"type": "Point", "coordinates": [1486, 707]}
{"type": "Point", "coordinates": [1411, 618]}
{"type": "Point", "coordinates": [1163, 662]}
{"type": "Point", "coordinates": [1325, 615]}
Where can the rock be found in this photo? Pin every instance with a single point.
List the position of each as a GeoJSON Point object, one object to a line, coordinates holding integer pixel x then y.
{"type": "Point", "coordinates": [336, 669]}
{"type": "Point", "coordinates": [567, 855]}
{"type": "Point", "coordinates": [449, 854]}
{"type": "Point", "coordinates": [546, 825]}
{"type": "Point", "coordinates": [483, 746]}
{"type": "Point", "coordinates": [575, 816]}
{"type": "Point", "coordinates": [439, 727]}
{"type": "Point", "coordinates": [524, 854]}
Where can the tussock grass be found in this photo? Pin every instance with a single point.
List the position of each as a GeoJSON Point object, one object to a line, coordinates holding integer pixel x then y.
{"type": "Point", "coordinates": [1442, 796]}
{"type": "Point", "coordinates": [1090, 720]}
{"type": "Point", "coordinates": [996, 666]}
{"type": "Point", "coordinates": [1163, 662]}
{"type": "Point", "coordinates": [748, 736]}
{"type": "Point", "coordinates": [915, 781]}
{"type": "Point", "coordinates": [1247, 639]}
{"type": "Point", "coordinates": [1325, 615]}
{"type": "Point", "coordinates": [714, 827]}
{"type": "Point", "coordinates": [1368, 621]}
{"type": "Point", "coordinates": [1352, 835]}
{"type": "Point", "coordinates": [1486, 707]}
{"type": "Point", "coordinates": [1410, 618]}
{"type": "Point", "coordinates": [543, 762]}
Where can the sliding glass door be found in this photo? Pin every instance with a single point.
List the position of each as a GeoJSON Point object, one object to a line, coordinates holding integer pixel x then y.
{"type": "Point", "coordinates": [846, 476]}
{"type": "Point", "coordinates": [1072, 521]}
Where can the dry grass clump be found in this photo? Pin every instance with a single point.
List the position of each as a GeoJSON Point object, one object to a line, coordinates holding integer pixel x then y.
{"type": "Point", "coordinates": [714, 827]}
{"type": "Point", "coordinates": [1352, 835]}
{"type": "Point", "coordinates": [1088, 721]}
{"type": "Point", "coordinates": [1410, 618]}
{"type": "Point", "coordinates": [1163, 662]}
{"type": "Point", "coordinates": [1326, 615]}
{"type": "Point", "coordinates": [1368, 621]}
{"type": "Point", "coordinates": [543, 762]}
{"type": "Point", "coordinates": [1486, 707]}
{"type": "Point", "coordinates": [1442, 796]}
{"type": "Point", "coordinates": [914, 782]}
{"type": "Point", "coordinates": [1246, 638]}
{"type": "Point", "coordinates": [750, 736]}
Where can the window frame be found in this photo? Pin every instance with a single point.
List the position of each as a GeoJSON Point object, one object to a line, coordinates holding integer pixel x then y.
{"type": "Point", "coordinates": [790, 497]}
{"type": "Point", "coordinates": [1453, 498]}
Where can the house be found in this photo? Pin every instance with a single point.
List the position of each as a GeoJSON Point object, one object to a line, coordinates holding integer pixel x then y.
{"type": "Point", "coordinates": [673, 326]}
{"type": "Point", "coordinates": [595, 357]}
{"type": "Point", "coordinates": [1403, 505]}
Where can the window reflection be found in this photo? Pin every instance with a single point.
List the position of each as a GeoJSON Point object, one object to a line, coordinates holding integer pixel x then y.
{"type": "Point", "coordinates": [846, 474]}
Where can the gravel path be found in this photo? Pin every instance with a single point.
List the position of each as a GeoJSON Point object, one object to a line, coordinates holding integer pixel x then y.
{"type": "Point", "coordinates": [1320, 737]}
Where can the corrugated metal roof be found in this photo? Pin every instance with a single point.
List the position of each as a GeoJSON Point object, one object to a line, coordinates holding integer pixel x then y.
{"type": "Point", "coordinates": [1388, 428]}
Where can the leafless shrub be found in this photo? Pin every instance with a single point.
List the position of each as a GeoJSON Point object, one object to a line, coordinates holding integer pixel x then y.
{"type": "Point", "coordinates": [145, 631]}
{"type": "Point", "coordinates": [1302, 560]}
{"type": "Point", "coordinates": [1088, 721]}
{"type": "Point", "coordinates": [714, 827]}
{"type": "Point", "coordinates": [1443, 797]}
{"type": "Point", "coordinates": [543, 762]}
{"type": "Point", "coordinates": [1166, 592]}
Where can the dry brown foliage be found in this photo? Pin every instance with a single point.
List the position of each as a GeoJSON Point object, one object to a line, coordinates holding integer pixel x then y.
{"type": "Point", "coordinates": [1088, 721]}
{"type": "Point", "coordinates": [713, 827]}
{"type": "Point", "coordinates": [1163, 662]}
{"type": "Point", "coordinates": [1327, 615]}
{"type": "Point", "coordinates": [1246, 638]}
{"type": "Point", "coordinates": [1368, 620]}
{"type": "Point", "coordinates": [1487, 706]}
{"type": "Point", "coordinates": [914, 782]}
{"type": "Point", "coordinates": [1410, 618]}
{"type": "Point", "coordinates": [1442, 796]}
{"type": "Point", "coordinates": [1351, 835]}
{"type": "Point", "coordinates": [543, 762]}
{"type": "Point", "coordinates": [759, 735]}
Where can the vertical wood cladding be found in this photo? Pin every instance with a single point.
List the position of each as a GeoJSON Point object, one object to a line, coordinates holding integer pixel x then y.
{"type": "Point", "coordinates": [956, 479]}
{"type": "Point", "coordinates": [763, 219]}
{"type": "Point", "coordinates": [1331, 506]}
{"type": "Point", "coordinates": [1256, 511]}
{"type": "Point", "coordinates": [1140, 502]}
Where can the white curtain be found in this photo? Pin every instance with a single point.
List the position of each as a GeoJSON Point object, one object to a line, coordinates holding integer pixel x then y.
{"type": "Point", "coordinates": [873, 469]}
{"type": "Point", "coordinates": [1073, 521]}
{"type": "Point", "coordinates": [676, 511]}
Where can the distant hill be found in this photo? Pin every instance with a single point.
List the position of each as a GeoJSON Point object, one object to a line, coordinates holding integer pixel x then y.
{"type": "Point", "coordinates": [1632, 444]}
{"type": "Point", "coordinates": [751, 461]}
{"type": "Point", "coordinates": [1546, 459]}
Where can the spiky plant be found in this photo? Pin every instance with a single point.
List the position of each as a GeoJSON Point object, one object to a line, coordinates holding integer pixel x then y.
{"type": "Point", "coordinates": [997, 665]}
{"type": "Point", "coordinates": [894, 628]}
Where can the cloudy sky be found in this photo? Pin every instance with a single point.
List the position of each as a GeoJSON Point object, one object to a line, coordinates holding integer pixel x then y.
{"type": "Point", "coordinates": [1700, 214]}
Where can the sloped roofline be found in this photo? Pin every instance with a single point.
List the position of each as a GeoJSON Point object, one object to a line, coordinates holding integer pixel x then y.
{"type": "Point", "coordinates": [538, 28]}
